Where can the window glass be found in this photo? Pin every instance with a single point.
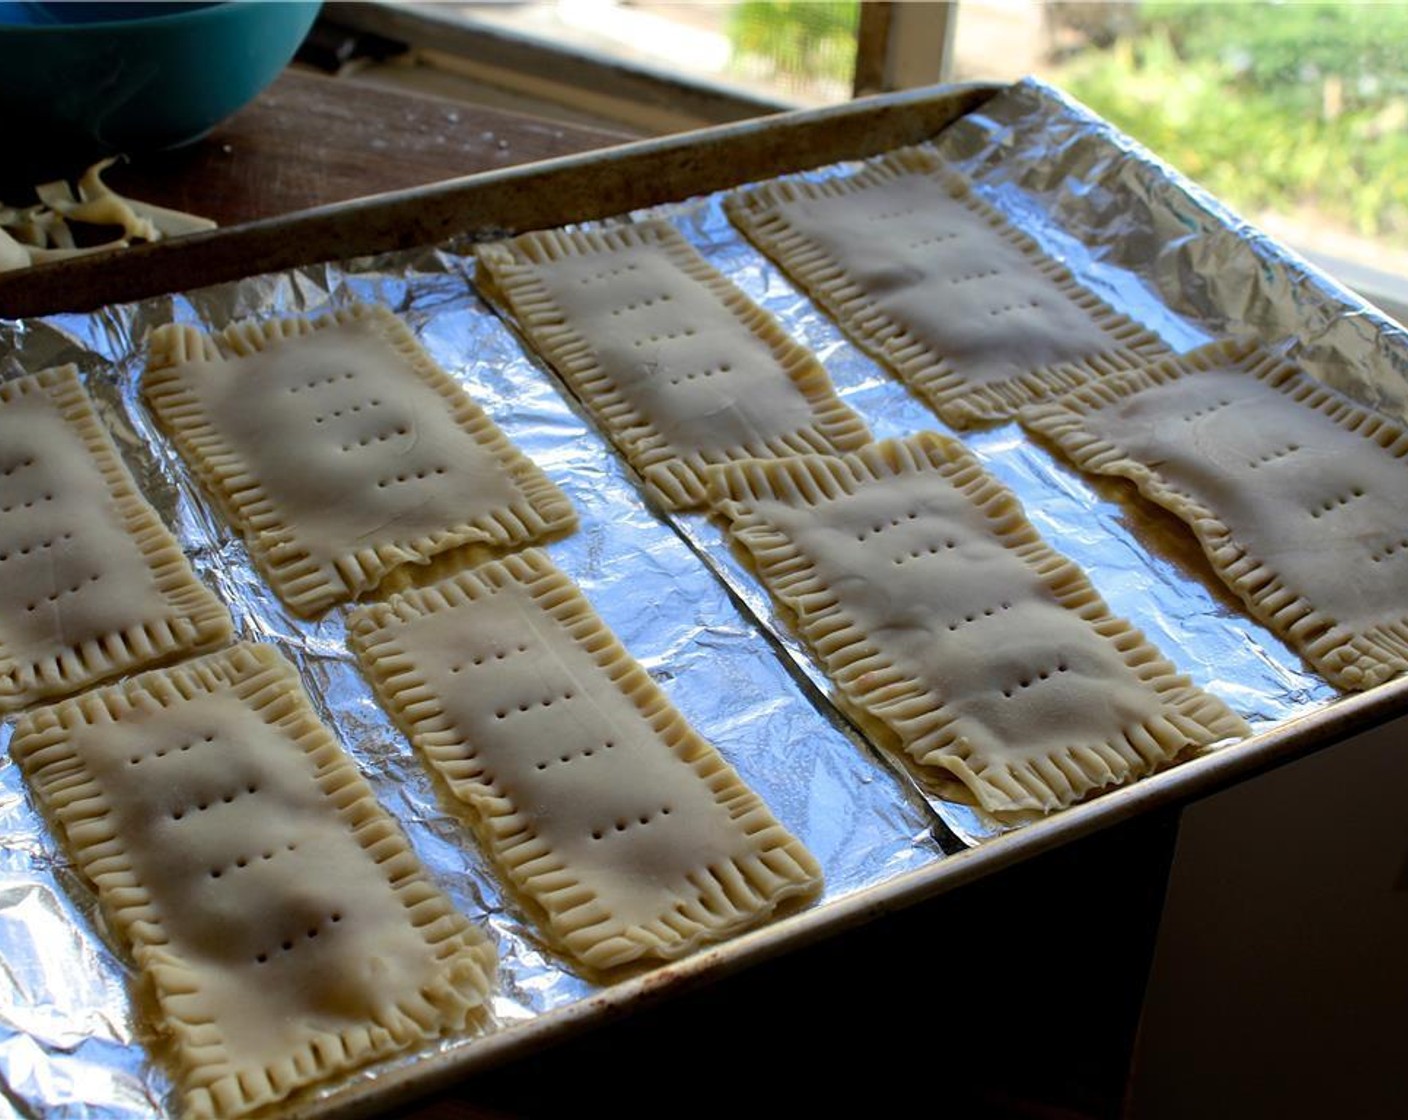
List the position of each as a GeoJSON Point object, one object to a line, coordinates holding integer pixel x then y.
{"type": "Point", "coordinates": [1295, 114]}
{"type": "Point", "coordinates": [800, 51]}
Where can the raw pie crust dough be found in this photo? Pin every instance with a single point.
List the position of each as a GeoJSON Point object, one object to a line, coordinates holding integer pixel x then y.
{"type": "Point", "coordinates": [1298, 496]}
{"type": "Point", "coordinates": [955, 631]}
{"type": "Point", "coordinates": [284, 925]}
{"type": "Point", "coordinates": [340, 450]}
{"type": "Point", "coordinates": [932, 281]}
{"type": "Point", "coordinates": [678, 366]}
{"type": "Point", "coordinates": [91, 582]}
{"type": "Point", "coordinates": [591, 793]}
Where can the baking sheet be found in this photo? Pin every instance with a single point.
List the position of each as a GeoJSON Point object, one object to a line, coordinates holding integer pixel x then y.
{"type": "Point", "coordinates": [670, 588]}
{"type": "Point", "coordinates": [642, 577]}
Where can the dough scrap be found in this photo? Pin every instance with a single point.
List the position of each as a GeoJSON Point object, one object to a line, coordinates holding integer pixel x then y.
{"type": "Point", "coordinates": [932, 281]}
{"type": "Point", "coordinates": [590, 792]}
{"type": "Point", "coordinates": [91, 582]}
{"type": "Point", "coordinates": [1298, 496]}
{"type": "Point", "coordinates": [678, 366]}
{"type": "Point", "coordinates": [40, 234]}
{"type": "Point", "coordinates": [283, 924]}
{"type": "Point", "coordinates": [961, 639]}
{"type": "Point", "coordinates": [340, 450]}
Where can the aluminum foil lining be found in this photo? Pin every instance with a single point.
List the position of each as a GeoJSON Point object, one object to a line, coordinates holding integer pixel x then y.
{"type": "Point", "coordinates": [1150, 243]}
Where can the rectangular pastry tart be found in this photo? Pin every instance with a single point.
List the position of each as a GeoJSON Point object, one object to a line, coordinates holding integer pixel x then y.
{"type": "Point", "coordinates": [91, 583]}
{"type": "Point", "coordinates": [1298, 496]}
{"type": "Point", "coordinates": [679, 367]}
{"type": "Point", "coordinates": [953, 631]}
{"type": "Point", "coordinates": [340, 450]}
{"type": "Point", "coordinates": [627, 834]}
{"type": "Point", "coordinates": [276, 914]}
{"type": "Point", "coordinates": [936, 284]}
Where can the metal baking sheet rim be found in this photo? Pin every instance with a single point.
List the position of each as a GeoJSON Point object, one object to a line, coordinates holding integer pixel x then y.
{"type": "Point", "coordinates": [537, 195]}
{"type": "Point", "coordinates": [602, 184]}
{"type": "Point", "coordinates": [1198, 777]}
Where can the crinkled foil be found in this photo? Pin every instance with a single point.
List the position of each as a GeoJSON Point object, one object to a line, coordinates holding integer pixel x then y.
{"type": "Point", "coordinates": [1152, 245]}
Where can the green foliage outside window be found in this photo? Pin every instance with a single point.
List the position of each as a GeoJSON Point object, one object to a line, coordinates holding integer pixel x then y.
{"type": "Point", "coordinates": [1283, 106]}
{"type": "Point", "coordinates": [1286, 106]}
{"type": "Point", "coordinates": [797, 39]}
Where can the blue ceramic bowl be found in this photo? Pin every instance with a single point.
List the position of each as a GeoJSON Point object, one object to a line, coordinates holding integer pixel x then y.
{"type": "Point", "coordinates": [83, 80]}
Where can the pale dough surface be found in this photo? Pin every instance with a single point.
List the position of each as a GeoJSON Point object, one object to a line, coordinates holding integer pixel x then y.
{"type": "Point", "coordinates": [284, 923]}
{"type": "Point", "coordinates": [936, 283]}
{"type": "Point", "coordinates": [940, 614]}
{"type": "Point", "coordinates": [91, 583]}
{"type": "Point", "coordinates": [341, 450]}
{"type": "Point", "coordinates": [592, 794]}
{"type": "Point", "coordinates": [675, 362]}
{"type": "Point", "coordinates": [1299, 497]}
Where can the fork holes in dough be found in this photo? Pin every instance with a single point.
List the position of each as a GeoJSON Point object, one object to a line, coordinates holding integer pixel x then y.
{"type": "Point", "coordinates": [1384, 553]}
{"type": "Point", "coordinates": [1042, 675]}
{"type": "Point", "coordinates": [1272, 456]}
{"type": "Point", "coordinates": [622, 824]}
{"type": "Point", "coordinates": [607, 274]}
{"type": "Point", "coordinates": [639, 305]}
{"type": "Point", "coordinates": [288, 944]}
{"type": "Point", "coordinates": [348, 410]}
{"type": "Point", "coordinates": [892, 523]}
{"type": "Point", "coordinates": [669, 336]}
{"type": "Point", "coordinates": [929, 550]}
{"type": "Point", "coordinates": [497, 655]}
{"type": "Point", "coordinates": [936, 239]}
{"type": "Point", "coordinates": [723, 367]}
{"type": "Point", "coordinates": [30, 504]}
{"type": "Point", "coordinates": [1206, 410]}
{"type": "Point", "coordinates": [586, 752]}
{"type": "Point", "coordinates": [42, 546]}
{"type": "Point", "coordinates": [1336, 503]}
{"type": "Point", "coordinates": [162, 752]}
{"type": "Point", "coordinates": [413, 476]}
{"type": "Point", "coordinates": [986, 612]}
{"type": "Point", "coordinates": [888, 215]}
{"type": "Point", "coordinates": [380, 437]}
{"type": "Point", "coordinates": [330, 379]}
{"type": "Point", "coordinates": [1008, 308]}
{"type": "Point", "coordinates": [55, 596]}
{"type": "Point", "coordinates": [967, 276]}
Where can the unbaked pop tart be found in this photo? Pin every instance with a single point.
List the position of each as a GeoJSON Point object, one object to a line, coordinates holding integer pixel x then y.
{"type": "Point", "coordinates": [932, 281]}
{"type": "Point", "coordinates": [275, 912]}
{"type": "Point", "coordinates": [625, 831]}
{"type": "Point", "coordinates": [340, 450]}
{"type": "Point", "coordinates": [91, 582]}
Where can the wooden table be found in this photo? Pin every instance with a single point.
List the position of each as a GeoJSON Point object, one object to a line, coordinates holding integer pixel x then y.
{"type": "Point", "coordinates": [1016, 996]}
{"type": "Point", "coordinates": [310, 141]}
